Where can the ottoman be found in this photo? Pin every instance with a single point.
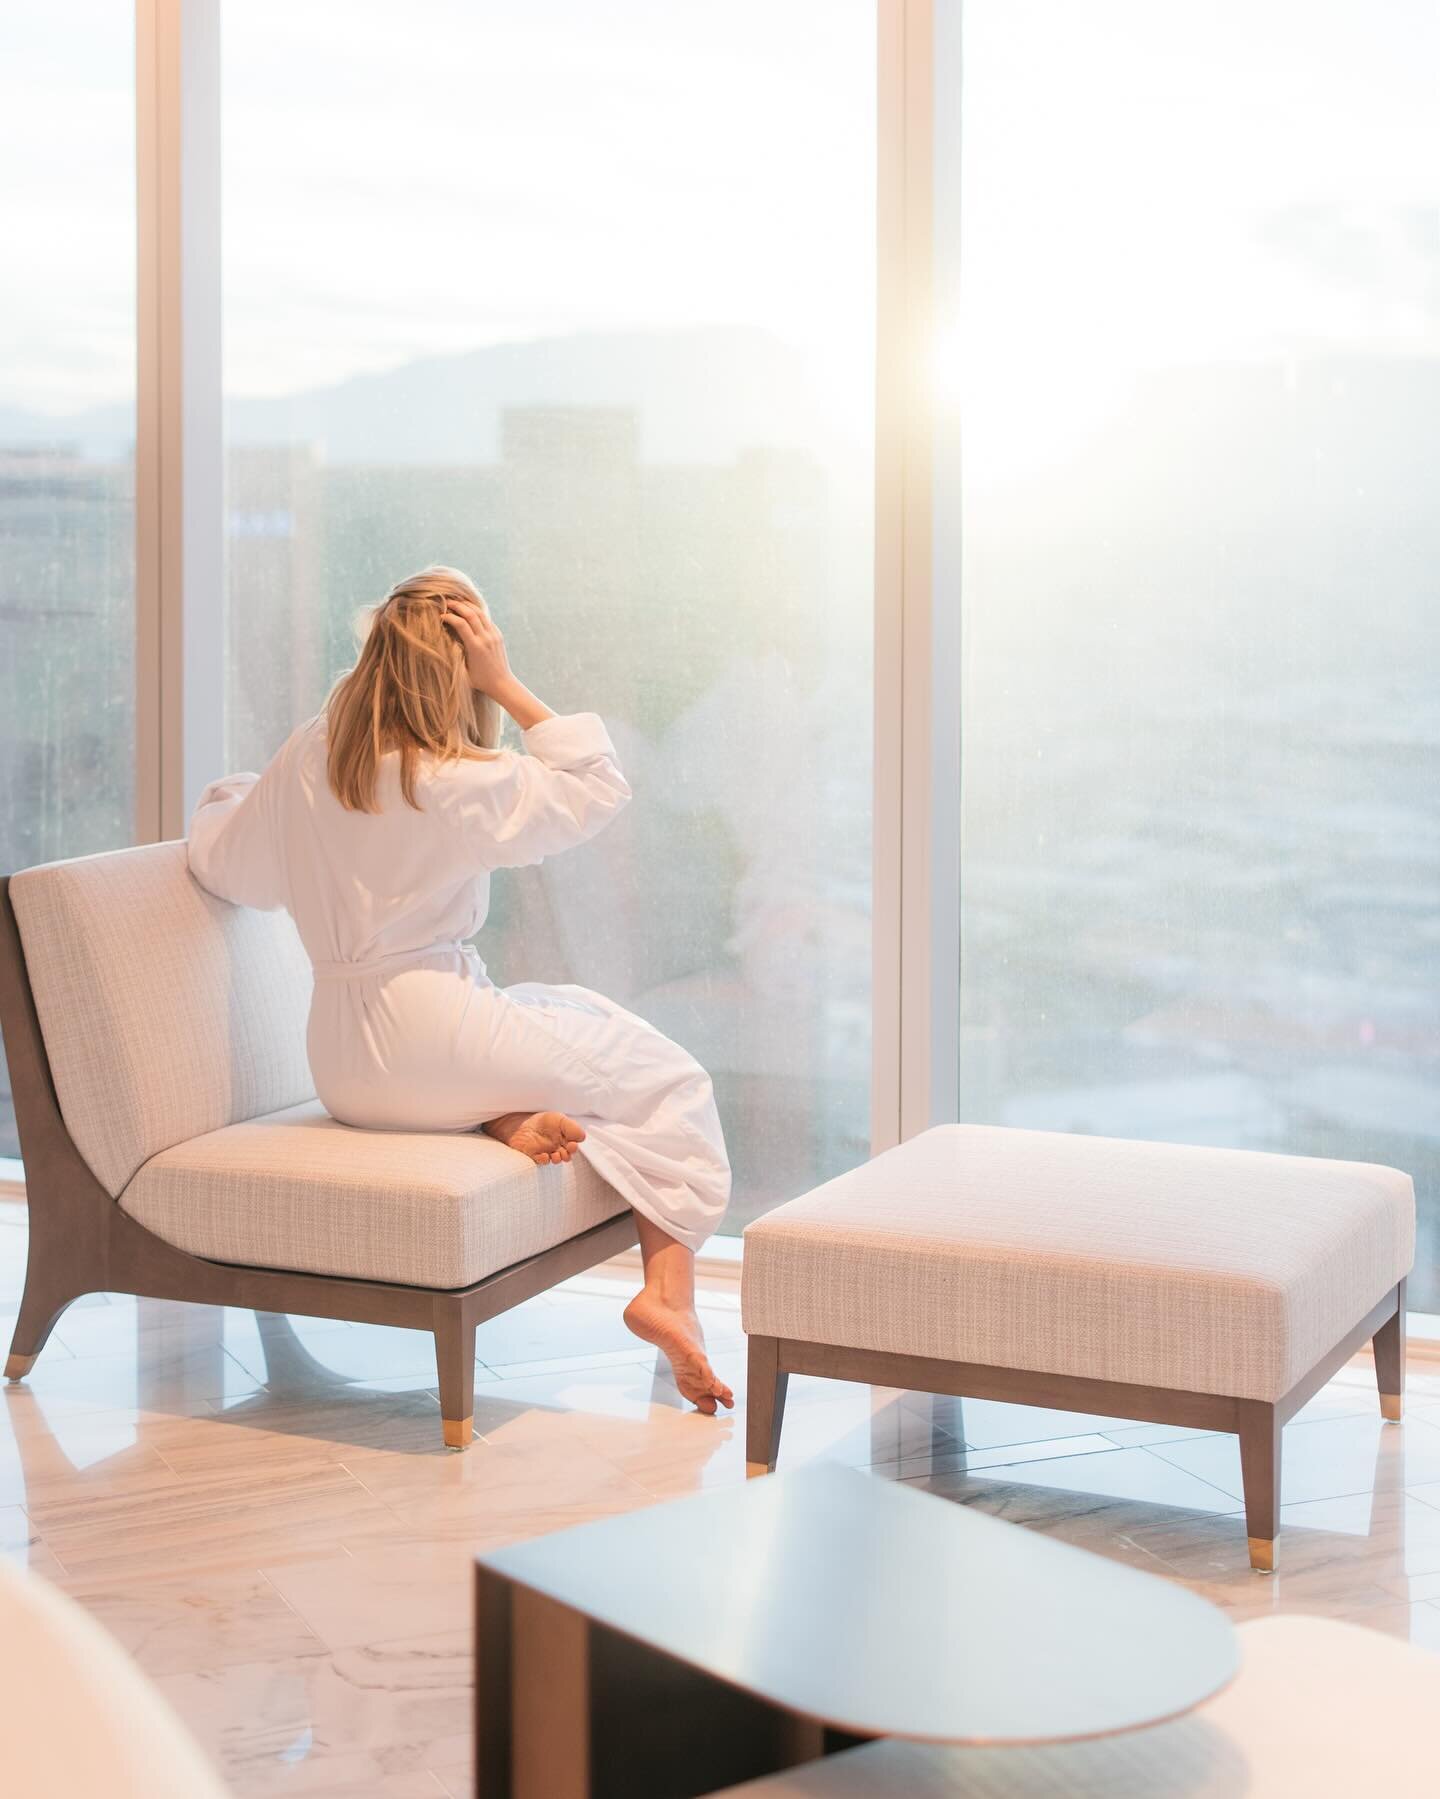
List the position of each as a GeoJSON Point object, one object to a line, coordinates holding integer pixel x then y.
{"type": "Point", "coordinates": [1212, 1288]}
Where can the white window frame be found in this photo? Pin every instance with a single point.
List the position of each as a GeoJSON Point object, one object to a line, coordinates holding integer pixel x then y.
{"type": "Point", "coordinates": [916, 929]}
{"type": "Point", "coordinates": [179, 450]}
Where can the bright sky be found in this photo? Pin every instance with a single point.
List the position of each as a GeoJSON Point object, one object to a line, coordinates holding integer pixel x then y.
{"type": "Point", "coordinates": [67, 203]}
{"type": "Point", "coordinates": [1141, 184]}
{"type": "Point", "coordinates": [1147, 184]}
{"type": "Point", "coordinates": [407, 182]}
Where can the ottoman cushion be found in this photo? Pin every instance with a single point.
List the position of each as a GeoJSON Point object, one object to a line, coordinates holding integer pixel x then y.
{"type": "Point", "coordinates": [1206, 1270]}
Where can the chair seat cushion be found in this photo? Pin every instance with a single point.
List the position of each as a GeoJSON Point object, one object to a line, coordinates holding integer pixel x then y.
{"type": "Point", "coordinates": [293, 1189]}
{"type": "Point", "coordinates": [1208, 1270]}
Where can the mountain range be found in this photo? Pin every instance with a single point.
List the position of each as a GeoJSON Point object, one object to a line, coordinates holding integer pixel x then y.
{"type": "Point", "coordinates": [702, 396]}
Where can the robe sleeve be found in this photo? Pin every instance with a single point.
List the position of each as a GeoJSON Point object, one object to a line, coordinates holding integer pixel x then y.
{"type": "Point", "coordinates": [233, 842]}
{"type": "Point", "coordinates": [518, 809]}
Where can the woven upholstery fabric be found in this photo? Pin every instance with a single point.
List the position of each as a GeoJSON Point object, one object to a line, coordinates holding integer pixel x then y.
{"type": "Point", "coordinates": [296, 1190]}
{"type": "Point", "coordinates": [1209, 1270]}
{"type": "Point", "coordinates": [166, 1012]}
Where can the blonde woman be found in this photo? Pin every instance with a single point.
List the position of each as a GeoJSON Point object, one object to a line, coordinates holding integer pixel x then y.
{"type": "Point", "coordinates": [377, 825]}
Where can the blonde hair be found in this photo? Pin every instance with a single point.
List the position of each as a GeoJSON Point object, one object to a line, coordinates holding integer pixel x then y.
{"type": "Point", "coordinates": [408, 691]}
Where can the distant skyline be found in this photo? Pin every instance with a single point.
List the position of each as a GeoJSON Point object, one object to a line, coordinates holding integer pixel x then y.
{"type": "Point", "coordinates": [1241, 180]}
{"type": "Point", "coordinates": [703, 395]}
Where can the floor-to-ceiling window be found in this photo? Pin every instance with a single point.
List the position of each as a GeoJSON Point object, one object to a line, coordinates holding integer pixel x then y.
{"type": "Point", "coordinates": [1195, 347]}
{"type": "Point", "coordinates": [580, 299]}
{"type": "Point", "coordinates": [67, 434]}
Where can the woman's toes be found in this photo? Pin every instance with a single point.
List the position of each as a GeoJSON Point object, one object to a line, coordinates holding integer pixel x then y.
{"type": "Point", "coordinates": [546, 1137]}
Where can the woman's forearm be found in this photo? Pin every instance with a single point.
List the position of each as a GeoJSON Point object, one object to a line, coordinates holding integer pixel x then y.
{"type": "Point", "coordinates": [520, 703]}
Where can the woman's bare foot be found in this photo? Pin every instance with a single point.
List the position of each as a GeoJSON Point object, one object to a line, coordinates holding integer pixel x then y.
{"type": "Point", "coordinates": [677, 1334]}
{"type": "Point", "coordinates": [543, 1136]}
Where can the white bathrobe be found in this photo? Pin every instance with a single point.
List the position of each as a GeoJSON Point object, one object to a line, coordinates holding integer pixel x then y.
{"type": "Point", "coordinates": [406, 1030]}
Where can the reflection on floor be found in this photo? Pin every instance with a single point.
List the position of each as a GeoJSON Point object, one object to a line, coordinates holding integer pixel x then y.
{"type": "Point", "coordinates": [260, 1509]}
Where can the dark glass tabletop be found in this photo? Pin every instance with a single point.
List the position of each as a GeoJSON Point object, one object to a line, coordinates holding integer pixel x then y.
{"type": "Point", "coordinates": [884, 1611]}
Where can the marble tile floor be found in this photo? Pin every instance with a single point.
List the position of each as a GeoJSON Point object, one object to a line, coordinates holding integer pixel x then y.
{"type": "Point", "coordinates": [262, 1513]}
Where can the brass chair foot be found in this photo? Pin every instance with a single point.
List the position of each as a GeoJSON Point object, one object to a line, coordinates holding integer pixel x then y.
{"type": "Point", "coordinates": [458, 1431]}
{"type": "Point", "coordinates": [1392, 1406]}
{"type": "Point", "coordinates": [18, 1366]}
{"type": "Point", "coordinates": [1262, 1554]}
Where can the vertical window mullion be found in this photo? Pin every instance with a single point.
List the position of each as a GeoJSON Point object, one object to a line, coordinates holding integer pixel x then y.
{"type": "Point", "coordinates": [179, 498]}
{"type": "Point", "coordinates": [890, 427]}
{"type": "Point", "coordinates": [917, 804]}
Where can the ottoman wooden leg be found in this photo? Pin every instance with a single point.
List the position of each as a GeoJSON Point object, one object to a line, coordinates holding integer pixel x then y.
{"type": "Point", "coordinates": [1389, 1347]}
{"type": "Point", "coordinates": [1260, 1477]}
{"type": "Point", "coordinates": [764, 1405]}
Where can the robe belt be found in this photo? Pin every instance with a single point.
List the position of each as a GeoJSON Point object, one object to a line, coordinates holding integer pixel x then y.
{"type": "Point", "coordinates": [400, 958]}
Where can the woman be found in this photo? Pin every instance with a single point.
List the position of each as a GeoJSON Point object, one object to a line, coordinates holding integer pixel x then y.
{"type": "Point", "coordinates": [377, 825]}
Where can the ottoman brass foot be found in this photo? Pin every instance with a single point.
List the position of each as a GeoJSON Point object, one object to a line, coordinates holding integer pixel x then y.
{"type": "Point", "coordinates": [18, 1366]}
{"type": "Point", "coordinates": [458, 1431]}
{"type": "Point", "coordinates": [1392, 1406]}
{"type": "Point", "coordinates": [1262, 1554]}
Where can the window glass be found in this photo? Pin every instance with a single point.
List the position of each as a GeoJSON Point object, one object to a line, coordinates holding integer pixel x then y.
{"type": "Point", "coordinates": [67, 436]}
{"type": "Point", "coordinates": [580, 300]}
{"type": "Point", "coordinates": [1193, 342]}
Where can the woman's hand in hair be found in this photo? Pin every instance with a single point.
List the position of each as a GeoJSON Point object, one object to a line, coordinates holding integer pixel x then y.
{"type": "Point", "coordinates": [488, 665]}
{"type": "Point", "coordinates": [486, 661]}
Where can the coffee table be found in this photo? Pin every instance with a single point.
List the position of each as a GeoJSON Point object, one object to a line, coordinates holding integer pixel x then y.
{"type": "Point", "coordinates": [1321, 1710]}
{"type": "Point", "coordinates": [689, 1646]}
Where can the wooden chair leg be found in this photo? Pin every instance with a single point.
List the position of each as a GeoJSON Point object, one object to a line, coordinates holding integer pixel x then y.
{"type": "Point", "coordinates": [455, 1360]}
{"type": "Point", "coordinates": [764, 1404]}
{"type": "Point", "coordinates": [40, 1309]}
{"type": "Point", "coordinates": [1389, 1348]}
{"type": "Point", "coordinates": [1260, 1477]}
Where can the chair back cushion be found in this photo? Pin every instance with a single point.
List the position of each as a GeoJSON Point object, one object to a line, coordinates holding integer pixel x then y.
{"type": "Point", "coordinates": [166, 1012]}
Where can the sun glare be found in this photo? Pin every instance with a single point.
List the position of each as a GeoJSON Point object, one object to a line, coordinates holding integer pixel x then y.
{"type": "Point", "coordinates": [1023, 406]}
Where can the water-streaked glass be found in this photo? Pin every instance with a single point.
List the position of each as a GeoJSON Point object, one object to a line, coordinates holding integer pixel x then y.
{"type": "Point", "coordinates": [1193, 345]}
{"type": "Point", "coordinates": [581, 300]}
{"type": "Point", "coordinates": [67, 436]}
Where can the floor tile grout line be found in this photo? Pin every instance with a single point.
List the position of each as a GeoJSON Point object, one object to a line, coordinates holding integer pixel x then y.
{"type": "Point", "coordinates": [383, 1503]}
{"type": "Point", "coordinates": [1237, 1503]}
{"type": "Point", "coordinates": [40, 1536]}
{"type": "Point", "coordinates": [542, 1367]}
{"type": "Point", "coordinates": [1363, 1412]}
{"type": "Point", "coordinates": [296, 1613]}
{"type": "Point", "coordinates": [1316, 1498]}
{"type": "Point", "coordinates": [1069, 1455]}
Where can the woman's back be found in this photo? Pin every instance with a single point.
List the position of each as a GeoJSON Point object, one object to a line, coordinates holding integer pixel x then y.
{"type": "Point", "coordinates": [401, 879]}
